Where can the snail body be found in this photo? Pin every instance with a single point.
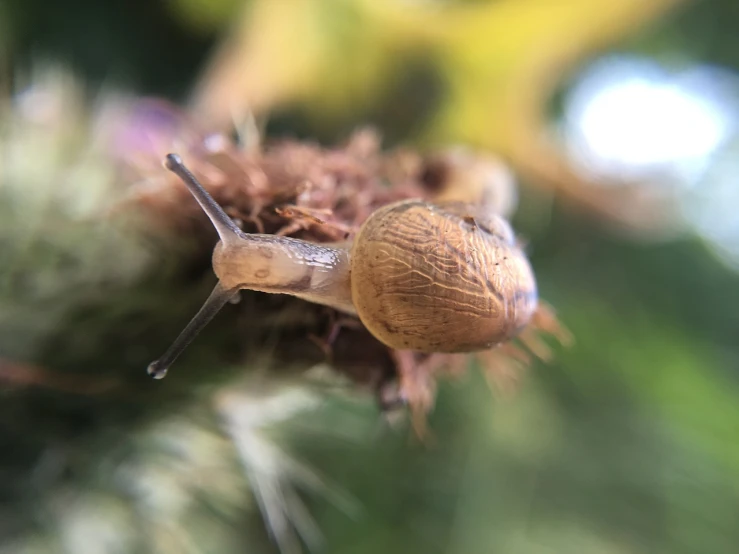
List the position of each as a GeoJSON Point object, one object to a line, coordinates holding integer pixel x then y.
{"type": "Point", "coordinates": [443, 277]}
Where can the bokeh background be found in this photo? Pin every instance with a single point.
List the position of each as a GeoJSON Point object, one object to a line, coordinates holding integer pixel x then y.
{"type": "Point", "coordinates": [619, 120]}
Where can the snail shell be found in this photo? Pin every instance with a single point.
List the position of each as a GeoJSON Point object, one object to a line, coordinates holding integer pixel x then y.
{"type": "Point", "coordinates": [440, 278]}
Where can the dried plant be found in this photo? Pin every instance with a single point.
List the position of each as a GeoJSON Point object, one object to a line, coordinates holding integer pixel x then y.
{"type": "Point", "coordinates": [323, 195]}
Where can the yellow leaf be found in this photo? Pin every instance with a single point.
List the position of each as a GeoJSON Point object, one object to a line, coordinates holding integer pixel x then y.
{"type": "Point", "coordinates": [500, 61]}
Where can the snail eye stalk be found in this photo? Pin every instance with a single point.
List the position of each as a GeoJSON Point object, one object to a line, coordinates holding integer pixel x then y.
{"type": "Point", "coordinates": [228, 232]}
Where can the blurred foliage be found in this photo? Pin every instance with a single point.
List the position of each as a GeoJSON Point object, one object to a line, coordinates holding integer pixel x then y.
{"type": "Point", "coordinates": [430, 73]}
{"type": "Point", "coordinates": [130, 44]}
{"type": "Point", "coordinates": [624, 444]}
{"type": "Point", "coordinates": [481, 73]}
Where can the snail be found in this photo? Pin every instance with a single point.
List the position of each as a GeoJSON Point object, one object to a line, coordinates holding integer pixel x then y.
{"type": "Point", "coordinates": [429, 277]}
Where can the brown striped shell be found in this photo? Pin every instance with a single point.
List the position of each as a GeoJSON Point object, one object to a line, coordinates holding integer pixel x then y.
{"type": "Point", "coordinates": [440, 278]}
